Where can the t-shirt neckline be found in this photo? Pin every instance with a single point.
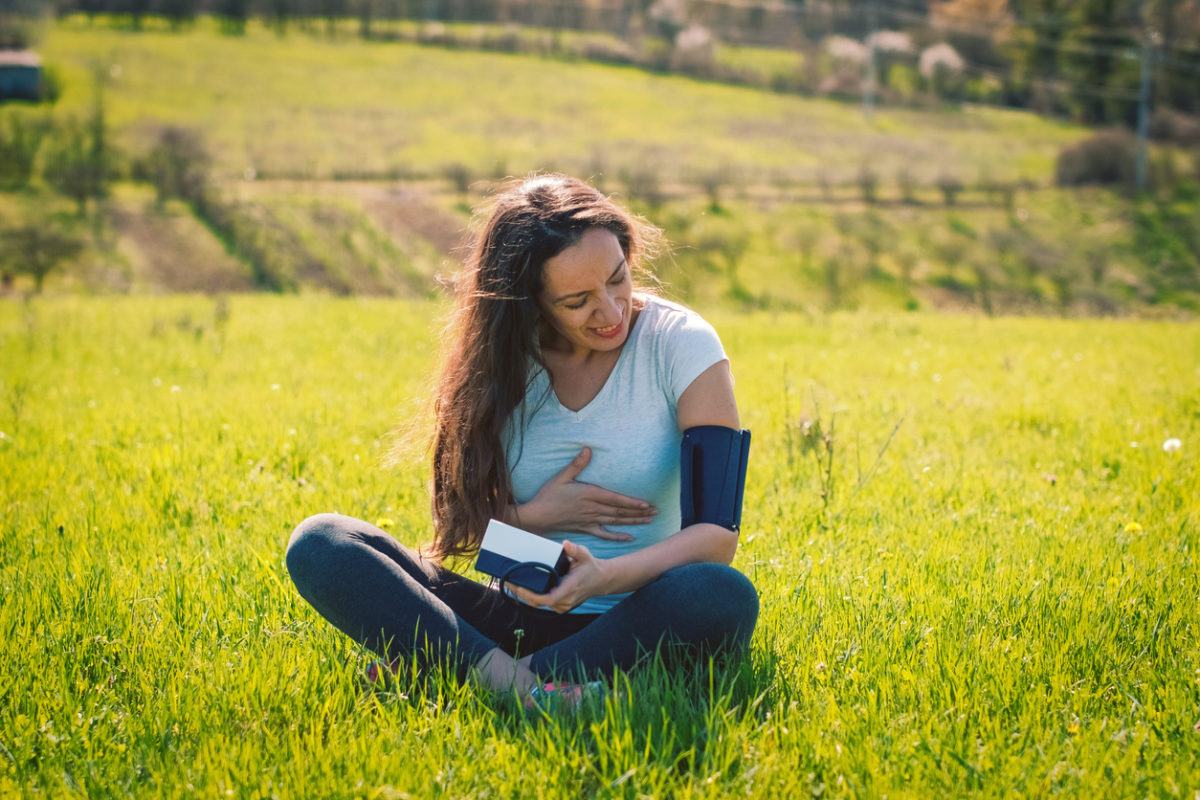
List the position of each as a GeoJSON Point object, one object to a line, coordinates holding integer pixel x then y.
{"type": "Point", "coordinates": [582, 413]}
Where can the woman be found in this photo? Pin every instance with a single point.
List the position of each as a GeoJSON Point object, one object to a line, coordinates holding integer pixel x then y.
{"type": "Point", "coordinates": [559, 409]}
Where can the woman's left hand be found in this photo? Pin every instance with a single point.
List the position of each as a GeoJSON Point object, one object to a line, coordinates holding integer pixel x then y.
{"type": "Point", "coordinates": [585, 579]}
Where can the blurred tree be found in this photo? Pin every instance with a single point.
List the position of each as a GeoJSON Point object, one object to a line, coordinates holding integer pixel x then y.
{"type": "Point", "coordinates": [177, 165]}
{"type": "Point", "coordinates": [1040, 30]}
{"type": "Point", "coordinates": [79, 161]}
{"type": "Point", "coordinates": [36, 248]}
{"type": "Point", "coordinates": [365, 11]}
{"type": "Point", "coordinates": [331, 10]}
{"type": "Point", "coordinates": [1102, 64]}
{"type": "Point", "coordinates": [278, 13]}
{"type": "Point", "coordinates": [233, 15]}
{"type": "Point", "coordinates": [20, 139]}
{"type": "Point", "coordinates": [178, 12]}
{"type": "Point", "coordinates": [1175, 26]}
{"type": "Point", "coordinates": [18, 22]}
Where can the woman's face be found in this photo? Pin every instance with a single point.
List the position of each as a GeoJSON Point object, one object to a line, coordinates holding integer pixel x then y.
{"type": "Point", "coordinates": [587, 295]}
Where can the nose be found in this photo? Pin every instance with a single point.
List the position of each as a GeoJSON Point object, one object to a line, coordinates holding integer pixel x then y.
{"type": "Point", "coordinates": [609, 313]}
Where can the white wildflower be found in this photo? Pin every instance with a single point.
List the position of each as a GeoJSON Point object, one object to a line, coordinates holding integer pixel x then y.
{"type": "Point", "coordinates": [1172, 445]}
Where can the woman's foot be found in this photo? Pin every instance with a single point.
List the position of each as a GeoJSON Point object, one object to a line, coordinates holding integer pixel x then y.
{"type": "Point", "coordinates": [499, 672]}
{"type": "Point", "coordinates": [561, 697]}
{"type": "Point", "coordinates": [379, 671]}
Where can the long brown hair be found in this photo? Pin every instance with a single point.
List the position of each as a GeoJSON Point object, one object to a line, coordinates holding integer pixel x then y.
{"type": "Point", "coordinates": [492, 342]}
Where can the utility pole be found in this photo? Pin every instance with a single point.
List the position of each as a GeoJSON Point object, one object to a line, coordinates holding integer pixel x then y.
{"type": "Point", "coordinates": [1143, 121]}
{"type": "Point", "coordinates": [869, 82]}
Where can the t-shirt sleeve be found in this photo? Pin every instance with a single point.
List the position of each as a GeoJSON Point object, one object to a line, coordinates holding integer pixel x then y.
{"type": "Point", "coordinates": [690, 347]}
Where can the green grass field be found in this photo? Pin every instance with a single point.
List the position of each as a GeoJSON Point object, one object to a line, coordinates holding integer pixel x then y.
{"type": "Point", "coordinates": [311, 106]}
{"type": "Point", "coordinates": [1002, 604]}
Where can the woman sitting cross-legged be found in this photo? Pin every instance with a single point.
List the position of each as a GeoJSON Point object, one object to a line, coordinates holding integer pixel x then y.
{"type": "Point", "coordinates": [560, 408]}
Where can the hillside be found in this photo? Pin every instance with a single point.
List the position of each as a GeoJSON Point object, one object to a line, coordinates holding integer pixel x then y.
{"type": "Point", "coordinates": [351, 167]}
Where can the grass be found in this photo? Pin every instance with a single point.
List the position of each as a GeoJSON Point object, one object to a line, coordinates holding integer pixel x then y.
{"type": "Point", "coordinates": [316, 138]}
{"type": "Point", "coordinates": [1003, 605]}
{"type": "Point", "coordinates": [317, 107]}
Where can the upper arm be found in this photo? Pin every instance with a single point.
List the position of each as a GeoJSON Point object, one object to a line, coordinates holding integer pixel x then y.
{"type": "Point", "coordinates": [709, 400]}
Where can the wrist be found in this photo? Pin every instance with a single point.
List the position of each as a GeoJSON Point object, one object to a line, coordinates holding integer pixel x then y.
{"type": "Point", "coordinates": [608, 575]}
{"type": "Point", "coordinates": [526, 516]}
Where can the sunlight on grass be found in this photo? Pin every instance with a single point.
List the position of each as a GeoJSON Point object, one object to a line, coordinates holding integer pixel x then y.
{"type": "Point", "coordinates": [316, 106]}
{"type": "Point", "coordinates": [1001, 603]}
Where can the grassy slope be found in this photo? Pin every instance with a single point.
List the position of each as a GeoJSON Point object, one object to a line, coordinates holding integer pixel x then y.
{"type": "Point", "coordinates": [318, 107]}
{"type": "Point", "coordinates": [1006, 606]}
{"type": "Point", "coordinates": [312, 106]}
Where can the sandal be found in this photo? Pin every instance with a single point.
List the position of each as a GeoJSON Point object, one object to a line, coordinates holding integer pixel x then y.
{"type": "Point", "coordinates": [561, 697]}
{"type": "Point", "coordinates": [378, 672]}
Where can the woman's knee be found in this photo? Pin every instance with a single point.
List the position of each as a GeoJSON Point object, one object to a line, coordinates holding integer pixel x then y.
{"type": "Point", "coordinates": [310, 544]}
{"type": "Point", "coordinates": [720, 595]}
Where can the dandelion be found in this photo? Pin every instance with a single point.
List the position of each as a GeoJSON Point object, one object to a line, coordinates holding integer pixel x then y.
{"type": "Point", "coordinates": [384, 522]}
{"type": "Point", "coordinates": [1172, 445]}
{"type": "Point", "coordinates": [175, 389]}
{"type": "Point", "coordinates": [1073, 728]}
{"type": "Point", "coordinates": [1133, 527]}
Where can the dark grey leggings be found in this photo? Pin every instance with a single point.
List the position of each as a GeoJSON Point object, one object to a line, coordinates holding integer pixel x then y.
{"type": "Point", "coordinates": [398, 604]}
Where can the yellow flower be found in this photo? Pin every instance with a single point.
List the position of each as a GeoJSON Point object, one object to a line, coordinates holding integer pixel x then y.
{"type": "Point", "coordinates": [384, 522]}
{"type": "Point", "coordinates": [1133, 527]}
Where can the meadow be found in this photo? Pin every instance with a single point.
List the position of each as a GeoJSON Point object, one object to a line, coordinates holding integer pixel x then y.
{"type": "Point", "coordinates": [975, 556]}
{"type": "Point", "coordinates": [319, 108]}
{"type": "Point", "coordinates": [351, 167]}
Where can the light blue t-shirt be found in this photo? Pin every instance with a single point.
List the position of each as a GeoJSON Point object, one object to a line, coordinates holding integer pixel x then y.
{"type": "Point", "coordinates": [631, 427]}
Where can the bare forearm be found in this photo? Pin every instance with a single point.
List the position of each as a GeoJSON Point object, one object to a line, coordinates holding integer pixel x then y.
{"type": "Point", "coordinates": [698, 543]}
{"type": "Point", "coordinates": [524, 516]}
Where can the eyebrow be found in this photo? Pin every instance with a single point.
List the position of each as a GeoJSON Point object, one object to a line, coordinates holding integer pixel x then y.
{"type": "Point", "coordinates": [588, 291]}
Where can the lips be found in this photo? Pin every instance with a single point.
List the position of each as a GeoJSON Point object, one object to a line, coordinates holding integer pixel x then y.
{"type": "Point", "coordinates": [609, 333]}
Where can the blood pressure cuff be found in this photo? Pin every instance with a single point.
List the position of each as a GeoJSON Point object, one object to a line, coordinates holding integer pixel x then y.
{"type": "Point", "coordinates": [713, 475]}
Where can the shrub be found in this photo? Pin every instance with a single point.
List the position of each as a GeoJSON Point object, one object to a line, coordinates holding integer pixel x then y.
{"type": "Point", "coordinates": [79, 161]}
{"type": "Point", "coordinates": [942, 68]}
{"type": "Point", "coordinates": [37, 248]}
{"type": "Point", "coordinates": [669, 16]}
{"type": "Point", "coordinates": [1175, 127]}
{"type": "Point", "coordinates": [694, 51]}
{"type": "Point", "coordinates": [1107, 158]}
{"type": "Point", "coordinates": [949, 186]}
{"type": "Point", "coordinates": [459, 175]}
{"type": "Point", "coordinates": [713, 182]}
{"type": "Point", "coordinates": [20, 139]}
{"type": "Point", "coordinates": [868, 183]}
{"type": "Point", "coordinates": [177, 165]}
{"type": "Point", "coordinates": [642, 183]}
{"type": "Point", "coordinates": [908, 186]}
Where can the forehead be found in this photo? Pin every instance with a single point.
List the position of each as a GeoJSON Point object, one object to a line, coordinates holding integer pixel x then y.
{"type": "Point", "coordinates": [594, 257]}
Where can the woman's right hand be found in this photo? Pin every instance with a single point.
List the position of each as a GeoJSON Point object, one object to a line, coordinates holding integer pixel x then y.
{"type": "Point", "coordinates": [566, 504]}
